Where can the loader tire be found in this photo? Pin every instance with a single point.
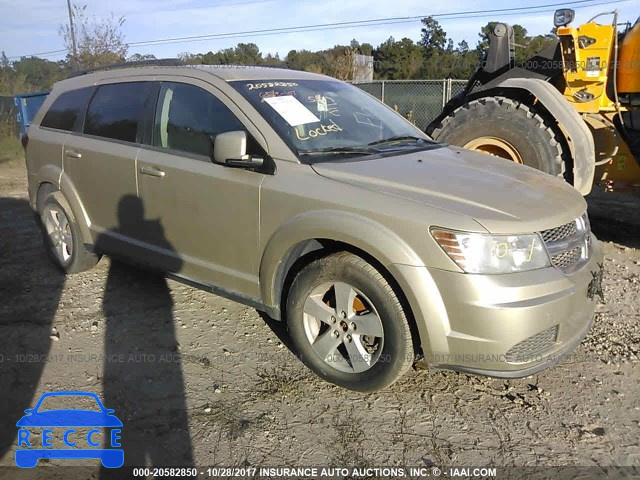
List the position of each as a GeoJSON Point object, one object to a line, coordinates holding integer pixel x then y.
{"type": "Point", "coordinates": [505, 128]}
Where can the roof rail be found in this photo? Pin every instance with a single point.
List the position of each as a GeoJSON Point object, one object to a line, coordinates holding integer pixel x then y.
{"type": "Point", "coordinates": [161, 62]}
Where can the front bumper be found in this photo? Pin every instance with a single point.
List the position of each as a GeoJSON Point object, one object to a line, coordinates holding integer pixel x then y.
{"type": "Point", "coordinates": [510, 325]}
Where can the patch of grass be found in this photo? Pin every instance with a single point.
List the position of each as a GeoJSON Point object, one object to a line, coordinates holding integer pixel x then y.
{"type": "Point", "coordinates": [10, 148]}
{"type": "Point", "coordinates": [280, 381]}
{"type": "Point", "coordinates": [230, 418]}
{"type": "Point", "coordinates": [350, 435]}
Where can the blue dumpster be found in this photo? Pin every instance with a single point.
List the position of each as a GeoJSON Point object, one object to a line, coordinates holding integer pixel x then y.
{"type": "Point", "coordinates": [28, 105]}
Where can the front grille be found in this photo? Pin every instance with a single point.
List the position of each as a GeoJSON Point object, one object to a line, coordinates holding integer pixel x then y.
{"type": "Point", "coordinates": [567, 259]}
{"type": "Point", "coordinates": [528, 349]}
{"type": "Point", "coordinates": [569, 244]}
{"type": "Point", "coordinates": [558, 233]}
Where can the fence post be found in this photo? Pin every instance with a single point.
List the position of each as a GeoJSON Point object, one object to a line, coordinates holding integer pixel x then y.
{"type": "Point", "coordinates": [382, 92]}
{"type": "Point", "coordinates": [444, 92]}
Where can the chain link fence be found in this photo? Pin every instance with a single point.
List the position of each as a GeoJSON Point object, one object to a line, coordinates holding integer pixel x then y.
{"type": "Point", "coordinates": [420, 101]}
{"type": "Point", "coordinates": [8, 126]}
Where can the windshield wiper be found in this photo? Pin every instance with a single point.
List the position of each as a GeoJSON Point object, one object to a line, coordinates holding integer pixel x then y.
{"type": "Point", "coordinates": [339, 150]}
{"type": "Point", "coordinates": [399, 138]}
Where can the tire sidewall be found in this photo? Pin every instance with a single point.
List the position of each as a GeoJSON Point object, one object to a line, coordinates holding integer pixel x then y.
{"type": "Point", "coordinates": [56, 200]}
{"type": "Point", "coordinates": [515, 125]}
{"type": "Point", "coordinates": [394, 355]}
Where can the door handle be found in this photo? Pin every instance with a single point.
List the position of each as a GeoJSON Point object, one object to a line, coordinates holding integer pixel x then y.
{"type": "Point", "coordinates": [152, 171]}
{"type": "Point", "coordinates": [73, 154]}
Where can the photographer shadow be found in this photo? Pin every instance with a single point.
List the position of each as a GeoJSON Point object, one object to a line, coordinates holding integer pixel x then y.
{"type": "Point", "coordinates": [30, 291]}
{"type": "Point", "coordinates": [143, 379]}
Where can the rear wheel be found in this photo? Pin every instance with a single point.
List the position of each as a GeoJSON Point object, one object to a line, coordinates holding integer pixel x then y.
{"type": "Point", "coordinates": [347, 323]}
{"type": "Point", "coordinates": [61, 236]}
{"type": "Point", "coordinates": [504, 128]}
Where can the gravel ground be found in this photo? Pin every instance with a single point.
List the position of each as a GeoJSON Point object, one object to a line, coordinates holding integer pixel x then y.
{"type": "Point", "coordinates": [213, 382]}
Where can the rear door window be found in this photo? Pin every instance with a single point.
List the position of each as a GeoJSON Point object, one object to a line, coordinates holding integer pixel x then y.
{"type": "Point", "coordinates": [117, 110]}
{"type": "Point", "coordinates": [67, 108]}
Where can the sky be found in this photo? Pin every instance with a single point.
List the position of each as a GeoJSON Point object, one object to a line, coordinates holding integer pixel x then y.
{"type": "Point", "coordinates": [31, 26]}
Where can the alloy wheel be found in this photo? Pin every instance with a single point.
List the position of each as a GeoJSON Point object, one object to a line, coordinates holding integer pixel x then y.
{"type": "Point", "coordinates": [343, 327]}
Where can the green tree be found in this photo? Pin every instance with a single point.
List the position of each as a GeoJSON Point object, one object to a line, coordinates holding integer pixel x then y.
{"type": "Point", "coordinates": [99, 41]}
{"type": "Point", "coordinates": [304, 60]}
{"type": "Point", "coordinates": [537, 44]}
{"type": "Point", "coordinates": [366, 49]}
{"type": "Point", "coordinates": [241, 54]}
{"type": "Point", "coordinates": [39, 73]}
{"type": "Point", "coordinates": [362, 49]}
{"type": "Point", "coordinates": [138, 57]}
{"type": "Point", "coordinates": [437, 50]}
{"type": "Point", "coordinates": [247, 54]}
{"type": "Point", "coordinates": [193, 59]}
{"type": "Point", "coordinates": [273, 60]}
{"type": "Point", "coordinates": [29, 74]}
{"type": "Point", "coordinates": [339, 62]}
{"type": "Point", "coordinates": [434, 38]}
{"type": "Point", "coordinates": [7, 76]}
{"type": "Point", "coordinates": [397, 59]}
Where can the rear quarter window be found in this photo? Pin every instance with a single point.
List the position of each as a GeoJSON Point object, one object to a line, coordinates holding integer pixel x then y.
{"type": "Point", "coordinates": [67, 108]}
{"type": "Point", "coordinates": [116, 110]}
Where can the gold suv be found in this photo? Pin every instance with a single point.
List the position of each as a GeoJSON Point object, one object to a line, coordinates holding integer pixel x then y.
{"type": "Point", "coordinates": [308, 199]}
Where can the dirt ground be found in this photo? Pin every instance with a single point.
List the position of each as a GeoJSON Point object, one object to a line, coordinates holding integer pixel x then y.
{"type": "Point", "coordinates": [213, 383]}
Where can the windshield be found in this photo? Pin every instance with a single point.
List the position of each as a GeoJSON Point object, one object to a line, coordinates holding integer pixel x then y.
{"type": "Point", "coordinates": [329, 118]}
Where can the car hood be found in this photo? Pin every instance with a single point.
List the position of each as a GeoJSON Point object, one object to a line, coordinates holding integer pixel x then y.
{"type": "Point", "coordinates": [502, 196]}
{"type": "Point", "coordinates": [69, 418]}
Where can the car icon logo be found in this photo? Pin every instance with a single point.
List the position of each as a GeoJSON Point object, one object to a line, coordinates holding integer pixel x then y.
{"type": "Point", "coordinates": [66, 423]}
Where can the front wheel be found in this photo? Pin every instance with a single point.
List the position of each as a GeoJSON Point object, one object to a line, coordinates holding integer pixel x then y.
{"type": "Point", "coordinates": [347, 323]}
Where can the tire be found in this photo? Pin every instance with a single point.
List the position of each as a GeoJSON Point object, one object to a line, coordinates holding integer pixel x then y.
{"type": "Point", "coordinates": [517, 132]}
{"type": "Point", "coordinates": [61, 236]}
{"type": "Point", "coordinates": [355, 360]}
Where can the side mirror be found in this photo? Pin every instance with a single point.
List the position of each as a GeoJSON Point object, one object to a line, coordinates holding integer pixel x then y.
{"type": "Point", "coordinates": [563, 17]}
{"type": "Point", "coordinates": [230, 149]}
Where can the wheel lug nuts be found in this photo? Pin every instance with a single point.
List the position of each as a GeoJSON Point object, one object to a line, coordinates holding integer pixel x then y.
{"type": "Point", "coordinates": [333, 319]}
{"type": "Point", "coordinates": [336, 333]}
{"type": "Point", "coordinates": [353, 326]}
{"type": "Point", "coordinates": [348, 337]}
{"type": "Point", "coordinates": [343, 314]}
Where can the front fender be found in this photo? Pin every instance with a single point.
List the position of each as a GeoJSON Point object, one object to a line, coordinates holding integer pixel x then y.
{"type": "Point", "coordinates": [360, 232]}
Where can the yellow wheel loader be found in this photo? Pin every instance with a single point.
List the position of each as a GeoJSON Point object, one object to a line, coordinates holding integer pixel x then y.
{"type": "Point", "coordinates": [573, 110]}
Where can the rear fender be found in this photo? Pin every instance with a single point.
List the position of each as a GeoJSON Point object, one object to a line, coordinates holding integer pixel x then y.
{"type": "Point", "coordinates": [79, 212]}
{"type": "Point", "coordinates": [48, 173]}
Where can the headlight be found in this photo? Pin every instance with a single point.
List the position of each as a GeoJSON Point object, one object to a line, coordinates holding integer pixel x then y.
{"type": "Point", "coordinates": [485, 253]}
{"type": "Point", "coordinates": [586, 224]}
{"type": "Point", "coordinates": [563, 17]}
